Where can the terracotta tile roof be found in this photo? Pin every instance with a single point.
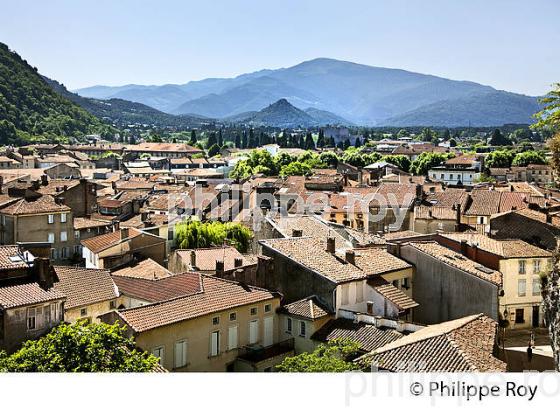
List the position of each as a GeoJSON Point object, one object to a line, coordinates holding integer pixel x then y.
{"type": "Point", "coordinates": [448, 198]}
{"type": "Point", "coordinates": [363, 238]}
{"type": "Point", "coordinates": [84, 223]}
{"type": "Point", "coordinates": [458, 261]}
{"type": "Point", "coordinates": [462, 160]}
{"type": "Point", "coordinates": [162, 146]}
{"type": "Point", "coordinates": [462, 345]}
{"type": "Point", "coordinates": [101, 242]}
{"type": "Point", "coordinates": [390, 236]}
{"type": "Point", "coordinates": [165, 288]}
{"type": "Point", "coordinates": [434, 212]}
{"type": "Point", "coordinates": [312, 254]}
{"type": "Point", "coordinates": [10, 258]}
{"type": "Point", "coordinates": [308, 308]}
{"type": "Point", "coordinates": [215, 296]}
{"type": "Point", "coordinates": [6, 200]}
{"type": "Point", "coordinates": [146, 269]}
{"type": "Point", "coordinates": [507, 248]}
{"type": "Point", "coordinates": [401, 195]}
{"type": "Point", "coordinates": [309, 225]}
{"type": "Point", "coordinates": [391, 293]}
{"type": "Point", "coordinates": [135, 184]}
{"type": "Point", "coordinates": [56, 186]}
{"type": "Point", "coordinates": [484, 202]}
{"type": "Point", "coordinates": [27, 294]}
{"type": "Point", "coordinates": [206, 257]}
{"type": "Point", "coordinates": [41, 205]}
{"type": "Point", "coordinates": [377, 261]}
{"type": "Point", "coordinates": [83, 286]}
{"type": "Point", "coordinates": [368, 336]}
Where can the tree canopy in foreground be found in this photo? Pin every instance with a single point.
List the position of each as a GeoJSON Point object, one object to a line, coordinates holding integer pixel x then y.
{"type": "Point", "coordinates": [332, 357]}
{"type": "Point", "coordinates": [80, 347]}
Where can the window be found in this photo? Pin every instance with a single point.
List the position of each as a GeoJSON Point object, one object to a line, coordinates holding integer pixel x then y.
{"type": "Point", "coordinates": [63, 218]}
{"type": "Point", "coordinates": [405, 283]}
{"type": "Point", "coordinates": [519, 316]}
{"type": "Point", "coordinates": [253, 331]}
{"type": "Point", "coordinates": [215, 343]}
{"type": "Point", "coordinates": [232, 316]}
{"type": "Point", "coordinates": [521, 267]}
{"type": "Point", "coordinates": [521, 285]}
{"type": "Point", "coordinates": [54, 312]}
{"type": "Point", "coordinates": [112, 304]}
{"type": "Point", "coordinates": [537, 264]}
{"type": "Point", "coordinates": [254, 311]}
{"type": "Point", "coordinates": [83, 312]}
{"type": "Point", "coordinates": [64, 252]}
{"type": "Point", "coordinates": [302, 329]}
{"type": "Point", "coordinates": [63, 236]}
{"type": "Point", "coordinates": [54, 253]}
{"type": "Point", "coordinates": [267, 308]}
{"type": "Point", "coordinates": [51, 218]}
{"type": "Point", "coordinates": [77, 234]}
{"type": "Point", "coordinates": [232, 337]}
{"type": "Point", "coordinates": [396, 283]}
{"type": "Point", "coordinates": [50, 237]}
{"type": "Point", "coordinates": [159, 352]}
{"type": "Point", "coordinates": [536, 286]}
{"type": "Point", "coordinates": [216, 320]}
{"type": "Point", "coordinates": [31, 319]}
{"type": "Point", "coordinates": [289, 325]}
{"type": "Point", "coordinates": [180, 353]}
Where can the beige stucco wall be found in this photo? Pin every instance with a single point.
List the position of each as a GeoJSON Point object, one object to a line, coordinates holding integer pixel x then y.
{"type": "Point", "coordinates": [301, 343]}
{"type": "Point", "coordinates": [93, 311]}
{"type": "Point", "coordinates": [511, 300]}
{"type": "Point", "coordinates": [197, 333]}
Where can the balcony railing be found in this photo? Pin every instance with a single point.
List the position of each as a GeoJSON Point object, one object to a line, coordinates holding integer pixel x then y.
{"type": "Point", "coordinates": [258, 353]}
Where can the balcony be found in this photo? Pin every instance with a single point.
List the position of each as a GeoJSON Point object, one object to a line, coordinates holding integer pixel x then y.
{"type": "Point", "coordinates": [256, 354]}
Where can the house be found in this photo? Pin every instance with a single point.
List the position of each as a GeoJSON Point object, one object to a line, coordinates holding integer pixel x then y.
{"type": "Point", "coordinates": [430, 219]}
{"type": "Point", "coordinates": [29, 304]}
{"type": "Point", "coordinates": [448, 285]}
{"type": "Point", "coordinates": [520, 265]}
{"type": "Point", "coordinates": [463, 345]}
{"type": "Point", "coordinates": [220, 261]}
{"type": "Point", "coordinates": [113, 210]}
{"type": "Point", "coordinates": [537, 228]}
{"type": "Point", "coordinates": [120, 247]}
{"type": "Point", "coordinates": [80, 195]}
{"type": "Point", "coordinates": [460, 170]}
{"type": "Point", "coordinates": [343, 280]}
{"type": "Point", "coordinates": [89, 292]}
{"type": "Point", "coordinates": [161, 149]}
{"type": "Point", "coordinates": [535, 173]}
{"type": "Point", "coordinates": [85, 228]}
{"type": "Point", "coordinates": [39, 220]}
{"type": "Point", "coordinates": [9, 163]}
{"type": "Point", "coordinates": [301, 319]}
{"type": "Point", "coordinates": [220, 326]}
{"type": "Point", "coordinates": [64, 171]}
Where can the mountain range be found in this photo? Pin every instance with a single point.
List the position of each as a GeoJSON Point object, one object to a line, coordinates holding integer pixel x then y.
{"type": "Point", "coordinates": [349, 92]}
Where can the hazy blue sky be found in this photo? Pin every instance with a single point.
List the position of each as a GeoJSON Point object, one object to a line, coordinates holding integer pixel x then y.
{"type": "Point", "coordinates": [508, 44]}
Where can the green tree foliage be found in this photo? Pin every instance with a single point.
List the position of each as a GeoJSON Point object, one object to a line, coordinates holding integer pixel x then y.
{"type": "Point", "coordinates": [498, 139]}
{"type": "Point", "coordinates": [529, 157]}
{"type": "Point", "coordinates": [213, 150]}
{"type": "Point", "coordinates": [31, 107]}
{"type": "Point", "coordinates": [321, 143]}
{"type": "Point", "coordinates": [195, 234]}
{"type": "Point", "coordinates": [193, 139]}
{"type": "Point", "coordinates": [212, 140]}
{"type": "Point", "coordinates": [80, 347]}
{"type": "Point", "coordinates": [427, 160]}
{"type": "Point", "coordinates": [549, 116]}
{"type": "Point", "coordinates": [332, 357]}
{"type": "Point", "coordinates": [499, 159]}
{"type": "Point", "coordinates": [295, 168]}
{"type": "Point", "coordinates": [329, 158]}
{"type": "Point", "coordinates": [401, 161]}
{"type": "Point", "coordinates": [452, 142]}
{"type": "Point", "coordinates": [309, 143]}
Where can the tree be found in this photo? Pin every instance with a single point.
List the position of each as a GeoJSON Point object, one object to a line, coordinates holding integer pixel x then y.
{"type": "Point", "coordinates": [220, 138]}
{"type": "Point", "coordinates": [192, 234]}
{"type": "Point", "coordinates": [354, 158]}
{"type": "Point", "coordinates": [427, 135]}
{"type": "Point", "coordinates": [309, 143]}
{"type": "Point", "coordinates": [499, 159]}
{"type": "Point", "coordinates": [237, 140]}
{"type": "Point", "coordinates": [401, 161]}
{"type": "Point", "coordinates": [452, 142]}
{"type": "Point", "coordinates": [550, 289]}
{"type": "Point", "coordinates": [193, 139]}
{"type": "Point", "coordinates": [446, 134]}
{"type": "Point", "coordinates": [332, 357]}
{"type": "Point", "coordinates": [329, 158]}
{"type": "Point", "coordinates": [213, 150]}
{"type": "Point", "coordinates": [80, 347]}
{"type": "Point", "coordinates": [295, 168]}
{"type": "Point", "coordinates": [549, 116]}
{"type": "Point", "coordinates": [529, 157]}
{"type": "Point", "coordinates": [321, 139]}
{"type": "Point", "coordinates": [252, 142]}
{"type": "Point", "coordinates": [498, 139]}
{"type": "Point", "coordinates": [427, 160]}
{"type": "Point", "coordinates": [347, 143]}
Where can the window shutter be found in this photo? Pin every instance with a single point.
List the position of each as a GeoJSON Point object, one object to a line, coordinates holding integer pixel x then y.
{"type": "Point", "coordinates": [232, 338]}
{"type": "Point", "coordinates": [253, 331]}
{"type": "Point", "coordinates": [214, 343]}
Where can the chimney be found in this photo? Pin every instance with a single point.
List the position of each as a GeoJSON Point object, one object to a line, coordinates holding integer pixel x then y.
{"type": "Point", "coordinates": [219, 268]}
{"type": "Point", "coordinates": [548, 218]}
{"type": "Point", "coordinates": [464, 247]}
{"type": "Point", "coordinates": [124, 233]}
{"type": "Point", "coordinates": [430, 213]}
{"type": "Point", "coordinates": [457, 217]}
{"type": "Point", "coordinates": [297, 233]}
{"type": "Point", "coordinates": [350, 257]}
{"type": "Point", "coordinates": [193, 259]}
{"type": "Point", "coordinates": [65, 188]}
{"type": "Point", "coordinates": [144, 216]}
{"type": "Point", "coordinates": [1, 183]}
{"type": "Point", "coordinates": [419, 193]}
{"type": "Point", "coordinates": [237, 262]}
{"type": "Point", "coordinates": [45, 274]}
{"type": "Point", "coordinates": [475, 252]}
{"type": "Point", "coordinates": [44, 180]}
{"type": "Point", "coordinates": [116, 226]}
{"type": "Point", "coordinates": [331, 245]}
{"type": "Point", "coordinates": [360, 177]}
{"type": "Point", "coordinates": [114, 186]}
{"type": "Point", "coordinates": [511, 188]}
